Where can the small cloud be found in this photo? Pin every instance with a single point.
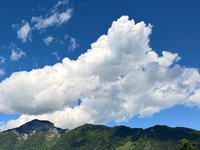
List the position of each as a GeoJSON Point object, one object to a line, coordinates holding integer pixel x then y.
{"type": "Point", "coordinates": [55, 19]}
{"type": "Point", "coordinates": [24, 32]}
{"type": "Point", "coordinates": [17, 53]}
{"type": "Point", "coordinates": [15, 26]}
{"type": "Point", "coordinates": [35, 63]}
{"type": "Point", "coordinates": [59, 14]}
{"type": "Point", "coordinates": [62, 2]}
{"type": "Point", "coordinates": [56, 54]}
{"type": "Point", "coordinates": [73, 44]}
{"type": "Point", "coordinates": [2, 123]}
{"type": "Point", "coordinates": [48, 40]}
{"type": "Point", "coordinates": [39, 8]}
{"type": "Point", "coordinates": [2, 59]}
{"type": "Point", "coordinates": [66, 36]}
{"type": "Point", "coordinates": [2, 72]}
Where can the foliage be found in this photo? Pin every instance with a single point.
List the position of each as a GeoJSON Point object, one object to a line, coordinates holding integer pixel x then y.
{"type": "Point", "coordinates": [186, 145]}
{"type": "Point", "coordinates": [99, 137]}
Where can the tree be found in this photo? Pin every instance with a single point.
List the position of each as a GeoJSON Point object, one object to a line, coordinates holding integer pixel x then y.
{"type": "Point", "coordinates": [186, 145]}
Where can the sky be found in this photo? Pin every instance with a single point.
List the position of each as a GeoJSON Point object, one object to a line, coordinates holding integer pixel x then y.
{"type": "Point", "coordinates": [131, 62]}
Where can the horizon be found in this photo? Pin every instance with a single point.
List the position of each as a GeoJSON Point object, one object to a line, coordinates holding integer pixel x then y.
{"type": "Point", "coordinates": [132, 63]}
{"type": "Point", "coordinates": [98, 125]}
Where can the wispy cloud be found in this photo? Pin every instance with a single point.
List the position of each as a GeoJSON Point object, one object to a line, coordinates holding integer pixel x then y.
{"type": "Point", "coordinates": [16, 53]}
{"type": "Point", "coordinates": [66, 36]}
{"type": "Point", "coordinates": [55, 17]}
{"type": "Point", "coordinates": [3, 59]}
{"type": "Point", "coordinates": [73, 44]}
{"type": "Point", "coordinates": [56, 54]}
{"type": "Point", "coordinates": [48, 40]}
{"type": "Point", "coordinates": [39, 8]}
{"type": "Point", "coordinates": [2, 72]}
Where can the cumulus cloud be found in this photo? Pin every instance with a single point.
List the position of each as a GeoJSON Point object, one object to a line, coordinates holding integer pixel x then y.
{"type": "Point", "coordinates": [73, 44]}
{"type": "Point", "coordinates": [118, 78]}
{"type": "Point", "coordinates": [48, 40]}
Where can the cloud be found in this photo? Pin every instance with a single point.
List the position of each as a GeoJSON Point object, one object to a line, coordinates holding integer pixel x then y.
{"type": "Point", "coordinates": [56, 18]}
{"type": "Point", "coordinates": [3, 60]}
{"type": "Point", "coordinates": [73, 44]}
{"type": "Point", "coordinates": [2, 72]}
{"type": "Point", "coordinates": [17, 53]}
{"type": "Point", "coordinates": [118, 78]}
{"type": "Point", "coordinates": [23, 32]}
{"type": "Point", "coordinates": [48, 40]}
{"type": "Point", "coordinates": [56, 54]}
{"type": "Point", "coordinates": [66, 36]}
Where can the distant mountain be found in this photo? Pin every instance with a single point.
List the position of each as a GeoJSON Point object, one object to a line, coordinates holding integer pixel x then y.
{"type": "Point", "coordinates": [43, 135]}
{"type": "Point", "coordinates": [37, 126]}
{"type": "Point", "coordinates": [33, 135]}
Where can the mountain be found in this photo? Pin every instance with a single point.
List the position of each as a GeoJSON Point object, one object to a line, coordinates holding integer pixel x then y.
{"type": "Point", "coordinates": [43, 135]}
{"type": "Point", "coordinates": [36, 134]}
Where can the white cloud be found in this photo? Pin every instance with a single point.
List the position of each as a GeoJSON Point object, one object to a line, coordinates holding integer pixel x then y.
{"type": "Point", "coordinates": [56, 18]}
{"type": "Point", "coordinates": [23, 32]}
{"type": "Point", "coordinates": [3, 59]}
{"type": "Point", "coordinates": [56, 54]}
{"type": "Point", "coordinates": [118, 78]}
{"type": "Point", "coordinates": [73, 44]}
{"type": "Point", "coordinates": [66, 36]}
{"type": "Point", "coordinates": [17, 53]}
{"type": "Point", "coordinates": [2, 72]}
{"type": "Point", "coordinates": [48, 40]}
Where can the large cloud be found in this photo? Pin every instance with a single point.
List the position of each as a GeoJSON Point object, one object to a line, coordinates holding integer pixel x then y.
{"type": "Point", "coordinates": [118, 78]}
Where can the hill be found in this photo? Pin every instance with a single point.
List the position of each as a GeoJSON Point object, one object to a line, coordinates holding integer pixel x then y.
{"type": "Point", "coordinates": [43, 135]}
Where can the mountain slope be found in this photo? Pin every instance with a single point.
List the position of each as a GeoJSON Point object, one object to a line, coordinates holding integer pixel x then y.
{"type": "Point", "coordinates": [35, 134]}
{"type": "Point", "coordinates": [102, 137]}
{"type": "Point", "coordinates": [43, 135]}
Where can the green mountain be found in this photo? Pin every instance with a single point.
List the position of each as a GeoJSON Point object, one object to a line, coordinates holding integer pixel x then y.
{"type": "Point", "coordinates": [43, 135]}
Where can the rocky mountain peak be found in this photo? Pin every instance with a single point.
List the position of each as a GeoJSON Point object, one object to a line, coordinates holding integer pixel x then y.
{"type": "Point", "coordinates": [36, 125]}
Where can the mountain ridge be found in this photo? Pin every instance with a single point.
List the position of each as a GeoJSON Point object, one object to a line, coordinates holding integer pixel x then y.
{"type": "Point", "coordinates": [35, 125]}
{"type": "Point", "coordinates": [43, 135]}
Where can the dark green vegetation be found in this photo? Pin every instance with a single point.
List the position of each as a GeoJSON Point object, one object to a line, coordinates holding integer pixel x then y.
{"type": "Point", "coordinates": [44, 136]}
{"type": "Point", "coordinates": [186, 145]}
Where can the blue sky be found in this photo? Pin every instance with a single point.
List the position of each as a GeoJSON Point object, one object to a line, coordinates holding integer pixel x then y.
{"type": "Point", "coordinates": [47, 63]}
